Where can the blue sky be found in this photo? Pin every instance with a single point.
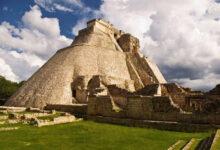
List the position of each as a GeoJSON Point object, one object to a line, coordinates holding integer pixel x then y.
{"type": "Point", "coordinates": [181, 36]}
{"type": "Point", "coordinates": [12, 11]}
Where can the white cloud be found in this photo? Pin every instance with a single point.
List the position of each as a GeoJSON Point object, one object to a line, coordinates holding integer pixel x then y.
{"type": "Point", "coordinates": [74, 2]}
{"type": "Point", "coordinates": [183, 37]}
{"type": "Point", "coordinates": [67, 6]}
{"type": "Point", "coordinates": [208, 82]}
{"type": "Point", "coordinates": [6, 71]}
{"type": "Point", "coordinates": [60, 5]}
{"type": "Point", "coordinates": [62, 8]}
{"type": "Point", "coordinates": [24, 50]}
{"type": "Point", "coordinates": [33, 20]}
{"type": "Point", "coordinates": [79, 25]}
{"type": "Point", "coordinates": [21, 64]}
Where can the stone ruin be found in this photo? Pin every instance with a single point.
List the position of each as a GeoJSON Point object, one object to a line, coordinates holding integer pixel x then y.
{"type": "Point", "coordinates": [32, 116]}
{"type": "Point", "coordinates": [103, 73]}
{"type": "Point", "coordinates": [100, 53]}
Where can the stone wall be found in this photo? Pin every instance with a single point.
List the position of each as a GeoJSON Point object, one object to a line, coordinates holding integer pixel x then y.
{"type": "Point", "coordinates": [137, 107]}
{"type": "Point", "coordinates": [162, 125]}
{"type": "Point", "coordinates": [147, 108]}
{"type": "Point", "coordinates": [103, 106]}
{"type": "Point", "coordinates": [76, 109]}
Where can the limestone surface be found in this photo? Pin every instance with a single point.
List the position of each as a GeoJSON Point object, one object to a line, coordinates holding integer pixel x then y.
{"type": "Point", "coordinates": [99, 50]}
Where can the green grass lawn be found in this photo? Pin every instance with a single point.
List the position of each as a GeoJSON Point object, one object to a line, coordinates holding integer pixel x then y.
{"type": "Point", "coordinates": [87, 135]}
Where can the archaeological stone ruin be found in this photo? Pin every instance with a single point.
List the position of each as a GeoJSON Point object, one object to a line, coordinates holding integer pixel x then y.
{"type": "Point", "coordinates": [103, 76]}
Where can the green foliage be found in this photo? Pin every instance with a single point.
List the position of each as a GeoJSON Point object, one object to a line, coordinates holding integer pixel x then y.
{"type": "Point", "coordinates": [87, 135]}
{"type": "Point", "coordinates": [7, 88]}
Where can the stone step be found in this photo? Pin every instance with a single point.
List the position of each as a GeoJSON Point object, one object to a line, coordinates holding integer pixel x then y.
{"type": "Point", "coordinates": [192, 144]}
{"type": "Point", "coordinates": [216, 142]}
{"type": "Point", "coordinates": [178, 145]}
{"type": "Point", "coordinates": [8, 128]}
{"type": "Point", "coordinates": [57, 120]}
{"type": "Point", "coordinates": [12, 109]}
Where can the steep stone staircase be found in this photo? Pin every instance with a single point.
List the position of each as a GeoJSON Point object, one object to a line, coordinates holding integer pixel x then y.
{"type": "Point", "coordinates": [186, 145]}
{"type": "Point", "coordinates": [209, 143]}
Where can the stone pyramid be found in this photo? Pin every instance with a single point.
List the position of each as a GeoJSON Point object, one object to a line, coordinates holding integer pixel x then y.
{"type": "Point", "coordinates": [99, 50]}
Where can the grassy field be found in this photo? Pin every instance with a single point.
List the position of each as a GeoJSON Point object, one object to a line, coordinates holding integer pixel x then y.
{"type": "Point", "coordinates": [86, 135]}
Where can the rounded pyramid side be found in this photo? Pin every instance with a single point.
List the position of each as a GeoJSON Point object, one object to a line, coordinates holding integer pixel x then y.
{"type": "Point", "coordinates": [92, 53]}
{"type": "Point", "coordinates": [48, 85]}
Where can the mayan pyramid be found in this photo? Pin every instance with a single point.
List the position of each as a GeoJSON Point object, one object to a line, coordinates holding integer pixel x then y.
{"type": "Point", "coordinates": [99, 50]}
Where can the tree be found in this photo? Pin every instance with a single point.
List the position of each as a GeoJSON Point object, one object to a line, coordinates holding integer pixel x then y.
{"type": "Point", "coordinates": [8, 88]}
